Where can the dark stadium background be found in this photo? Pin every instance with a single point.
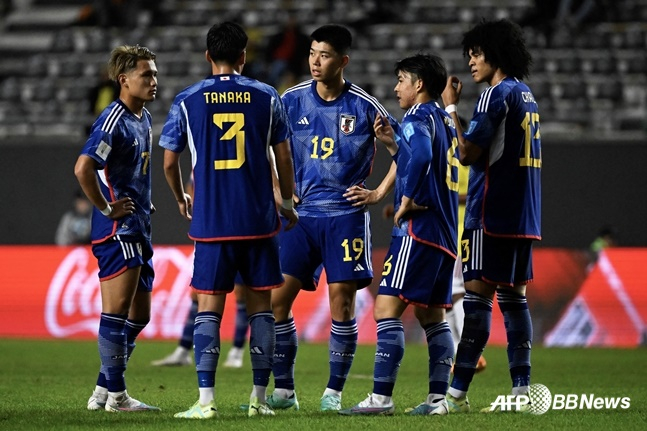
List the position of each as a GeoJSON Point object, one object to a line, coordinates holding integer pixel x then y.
{"type": "Point", "coordinates": [590, 85]}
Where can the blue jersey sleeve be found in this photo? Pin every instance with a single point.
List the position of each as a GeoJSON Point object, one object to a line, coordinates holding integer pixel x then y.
{"type": "Point", "coordinates": [418, 135]}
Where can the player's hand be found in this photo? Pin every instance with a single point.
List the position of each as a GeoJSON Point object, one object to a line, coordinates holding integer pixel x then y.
{"type": "Point", "coordinates": [186, 206]}
{"type": "Point", "coordinates": [407, 204]}
{"type": "Point", "coordinates": [291, 216]}
{"type": "Point", "coordinates": [361, 196]}
{"type": "Point", "coordinates": [452, 92]}
{"type": "Point", "coordinates": [121, 208]}
{"type": "Point", "coordinates": [384, 132]}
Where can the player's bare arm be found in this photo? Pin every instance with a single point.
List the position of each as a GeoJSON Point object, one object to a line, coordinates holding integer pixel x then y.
{"type": "Point", "coordinates": [173, 174]}
{"type": "Point", "coordinates": [85, 171]}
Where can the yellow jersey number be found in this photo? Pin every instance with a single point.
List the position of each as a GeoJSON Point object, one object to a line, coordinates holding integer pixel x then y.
{"type": "Point", "coordinates": [236, 133]}
{"type": "Point", "coordinates": [452, 163]}
{"type": "Point", "coordinates": [322, 150]}
{"type": "Point", "coordinates": [146, 155]}
{"type": "Point", "coordinates": [357, 246]}
{"type": "Point", "coordinates": [386, 270]}
{"type": "Point", "coordinates": [530, 125]}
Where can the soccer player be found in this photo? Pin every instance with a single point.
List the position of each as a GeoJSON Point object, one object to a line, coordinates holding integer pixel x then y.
{"type": "Point", "coordinates": [503, 148]}
{"type": "Point", "coordinates": [114, 173]}
{"type": "Point", "coordinates": [419, 265]}
{"type": "Point", "coordinates": [231, 124]}
{"type": "Point", "coordinates": [333, 145]}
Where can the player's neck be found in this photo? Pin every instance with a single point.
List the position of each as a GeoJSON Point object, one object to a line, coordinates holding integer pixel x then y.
{"type": "Point", "coordinates": [222, 68]}
{"type": "Point", "coordinates": [135, 105]}
{"type": "Point", "coordinates": [331, 90]}
{"type": "Point", "coordinates": [497, 77]}
{"type": "Point", "coordinates": [423, 98]}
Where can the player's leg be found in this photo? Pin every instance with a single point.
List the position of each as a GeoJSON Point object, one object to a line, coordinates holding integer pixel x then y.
{"type": "Point", "coordinates": [431, 317]}
{"type": "Point", "coordinates": [477, 305]}
{"type": "Point", "coordinates": [287, 344]}
{"type": "Point", "coordinates": [388, 356]}
{"type": "Point", "coordinates": [262, 275]}
{"type": "Point", "coordinates": [120, 323]}
{"type": "Point", "coordinates": [440, 350]}
{"type": "Point", "coordinates": [515, 272]}
{"type": "Point", "coordinates": [346, 250]}
{"type": "Point", "coordinates": [262, 343]}
{"type": "Point", "coordinates": [299, 258]}
{"type": "Point", "coordinates": [214, 269]}
{"type": "Point", "coordinates": [182, 353]}
{"type": "Point", "coordinates": [206, 341]}
{"type": "Point", "coordinates": [456, 315]}
{"type": "Point", "coordinates": [236, 353]}
{"type": "Point", "coordinates": [342, 343]}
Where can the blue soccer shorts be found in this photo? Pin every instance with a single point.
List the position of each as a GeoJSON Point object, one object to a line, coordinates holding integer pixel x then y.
{"type": "Point", "coordinates": [341, 243]}
{"type": "Point", "coordinates": [496, 260]}
{"type": "Point", "coordinates": [417, 273]}
{"type": "Point", "coordinates": [217, 264]}
{"type": "Point", "coordinates": [117, 254]}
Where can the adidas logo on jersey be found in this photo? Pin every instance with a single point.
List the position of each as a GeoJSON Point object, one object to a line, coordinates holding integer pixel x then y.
{"type": "Point", "coordinates": [304, 121]}
{"type": "Point", "coordinates": [358, 267]}
{"type": "Point", "coordinates": [383, 283]}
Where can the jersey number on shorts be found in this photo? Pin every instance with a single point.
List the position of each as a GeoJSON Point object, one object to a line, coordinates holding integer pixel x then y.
{"type": "Point", "coordinates": [387, 266]}
{"type": "Point", "coordinates": [357, 246]}
{"type": "Point", "coordinates": [235, 132]}
{"type": "Point", "coordinates": [465, 250]}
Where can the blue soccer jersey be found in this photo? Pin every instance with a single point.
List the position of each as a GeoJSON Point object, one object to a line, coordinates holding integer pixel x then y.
{"type": "Point", "coordinates": [229, 123]}
{"type": "Point", "coordinates": [333, 145]}
{"type": "Point", "coordinates": [121, 143]}
{"type": "Point", "coordinates": [506, 126]}
{"type": "Point", "coordinates": [427, 171]}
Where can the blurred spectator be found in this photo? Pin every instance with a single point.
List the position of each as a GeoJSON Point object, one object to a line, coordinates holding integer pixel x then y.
{"type": "Point", "coordinates": [606, 238]}
{"type": "Point", "coordinates": [287, 53]}
{"type": "Point", "coordinates": [563, 16]}
{"type": "Point", "coordinates": [74, 227]}
{"type": "Point", "coordinates": [122, 13]}
{"type": "Point", "coordinates": [101, 95]}
{"type": "Point", "coordinates": [5, 7]}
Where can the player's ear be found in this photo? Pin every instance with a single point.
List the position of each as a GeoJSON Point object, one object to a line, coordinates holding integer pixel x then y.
{"type": "Point", "coordinates": [207, 56]}
{"type": "Point", "coordinates": [420, 85]}
{"type": "Point", "coordinates": [344, 61]}
{"type": "Point", "coordinates": [122, 78]}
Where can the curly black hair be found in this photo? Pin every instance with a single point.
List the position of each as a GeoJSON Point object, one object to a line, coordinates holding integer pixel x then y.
{"type": "Point", "coordinates": [503, 44]}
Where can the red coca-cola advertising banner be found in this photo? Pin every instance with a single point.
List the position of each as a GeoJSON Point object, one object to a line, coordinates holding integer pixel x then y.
{"type": "Point", "coordinates": [49, 291]}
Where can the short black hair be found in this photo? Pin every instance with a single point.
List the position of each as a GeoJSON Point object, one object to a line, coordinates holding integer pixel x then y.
{"type": "Point", "coordinates": [428, 67]}
{"type": "Point", "coordinates": [226, 41]}
{"type": "Point", "coordinates": [335, 35]}
{"type": "Point", "coordinates": [503, 44]}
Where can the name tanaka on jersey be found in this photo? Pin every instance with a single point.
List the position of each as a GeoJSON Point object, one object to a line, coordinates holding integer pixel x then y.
{"type": "Point", "coordinates": [227, 97]}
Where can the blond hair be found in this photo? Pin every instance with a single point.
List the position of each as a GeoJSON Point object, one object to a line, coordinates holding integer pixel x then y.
{"type": "Point", "coordinates": [124, 58]}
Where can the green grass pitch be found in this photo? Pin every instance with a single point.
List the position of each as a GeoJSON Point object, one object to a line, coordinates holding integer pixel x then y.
{"type": "Point", "coordinates": [44, 385]}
